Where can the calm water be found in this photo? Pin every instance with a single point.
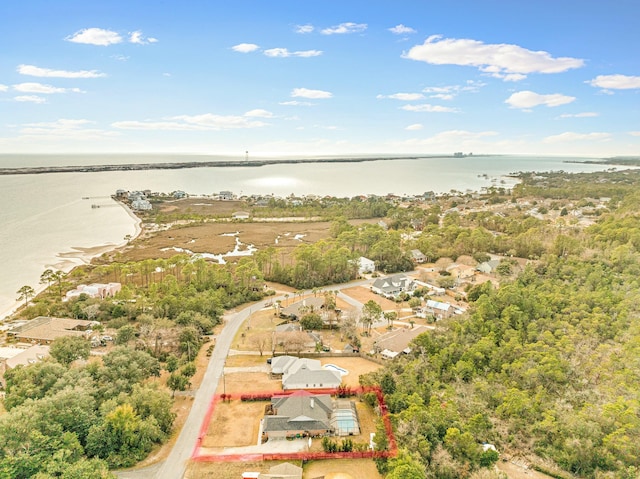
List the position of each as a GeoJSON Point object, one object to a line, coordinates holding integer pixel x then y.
{"type": "Point", "coordinates": [44, 216]}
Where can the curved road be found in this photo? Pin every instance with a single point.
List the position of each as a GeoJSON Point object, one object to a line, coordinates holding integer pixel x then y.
{"type": "Point", "coordinates": [175, 465]}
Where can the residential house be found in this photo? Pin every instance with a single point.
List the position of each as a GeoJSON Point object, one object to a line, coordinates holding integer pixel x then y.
{"type": "Point", "coordinates": [366, 265]}
{"type": "Point", "coordinates": [437, 309]}
{"type": "Point", "coordinates": [305, 414]}
{"type": "Point", "coordinates": [303, 373]}
{"type": "Point", "coordinates": [13, 357]}
{"type": "Point", "coordinates": [225, 195]}
{"type": "Point", "coordinates": [391, 286]}
{"type": "Point", "coordinates": [308, 374]}
{"type": "Point", "coordinates": [298, 309]}
{"type": "Point", "coordinates": [141, 205]}
{"type": "Point", "coordinates": [397, 341]}
{"type": "Point", "coordinates": [488, 267]}
{"type": "Point", "coordinates": [418, 256]}
{"type": "Point", "coordinates": [95, 290]}
{"type": "Point", "coordinates": [179, 194]}
{"type": "Point", "coordinates": [461, 272]}
{"type": "Point", "coordinates": [44, 329]}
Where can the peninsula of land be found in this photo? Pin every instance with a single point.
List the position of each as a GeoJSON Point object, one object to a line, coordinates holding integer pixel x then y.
{"type": "Point", "coordinates": [34, 170]}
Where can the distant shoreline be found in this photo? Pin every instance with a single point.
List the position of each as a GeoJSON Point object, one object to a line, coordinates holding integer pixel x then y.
{"type": "Point", "coordinates": [36, 170]}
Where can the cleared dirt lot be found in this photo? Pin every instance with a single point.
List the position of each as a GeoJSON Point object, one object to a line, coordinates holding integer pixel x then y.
{"type": "Point", "coordinates": [330, 469]}
{"type": "Point", "coordinates": [234, 423]}
{"type": "Point", "coordinates": [348, 468]}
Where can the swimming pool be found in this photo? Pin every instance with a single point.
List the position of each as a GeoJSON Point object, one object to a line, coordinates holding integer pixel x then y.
{"type": "Point", "coordinates": [333, 367]}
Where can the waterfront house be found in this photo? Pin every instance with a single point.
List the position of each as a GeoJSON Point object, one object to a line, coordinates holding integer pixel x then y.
{"type": "Point", "coordinates": [141, 205]}
{"type": "Point", "coordinates": [45, 329]}
{"type": "Point", "coordinates": [95, 290]}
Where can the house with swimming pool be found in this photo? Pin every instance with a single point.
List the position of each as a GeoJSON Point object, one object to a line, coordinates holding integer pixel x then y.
{"type": "Point", "coordinates": [303, 414]}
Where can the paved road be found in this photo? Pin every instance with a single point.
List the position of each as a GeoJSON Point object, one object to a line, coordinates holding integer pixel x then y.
{"type": "Point", "coordinates": [175, 465]}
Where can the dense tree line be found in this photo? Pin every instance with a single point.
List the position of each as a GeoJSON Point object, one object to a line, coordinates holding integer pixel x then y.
{"type": "Point", "coordinates": [544, 366]}
{"type": "Point", "coordinates": [77, 422]}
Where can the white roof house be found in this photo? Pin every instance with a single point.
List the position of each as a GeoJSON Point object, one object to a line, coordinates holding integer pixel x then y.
{"type": "Point", "coordinates": [95, 290]}
{"type": "Point", "coordinates": [366, 265]}
{"type": "Point", "coordinates": [304, 373]}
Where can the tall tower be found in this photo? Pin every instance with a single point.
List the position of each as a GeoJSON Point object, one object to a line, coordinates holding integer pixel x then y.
{"type": "Point", "coordinates": [246, 155]}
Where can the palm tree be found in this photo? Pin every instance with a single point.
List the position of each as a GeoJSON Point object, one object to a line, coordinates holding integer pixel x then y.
{"type": "Point", "coordinates": [26, 292]}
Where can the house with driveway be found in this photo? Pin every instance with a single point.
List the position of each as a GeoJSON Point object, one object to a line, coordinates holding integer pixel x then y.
{"type": "Point", "coordinates": [392, 286]}
{"type": "Point", "coordinates": [303, 414]}
{"type": "Point", "coordinates": [303, 373]}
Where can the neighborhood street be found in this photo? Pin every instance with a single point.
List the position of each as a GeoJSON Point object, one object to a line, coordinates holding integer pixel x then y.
{"type": "Point", "coordinates": [175, 465]}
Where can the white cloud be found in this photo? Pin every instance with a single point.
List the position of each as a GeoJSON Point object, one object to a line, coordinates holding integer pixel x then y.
{"type": "Point", "coordinates": [572, 136]}
{"type": "Point", "coordinates": [35, 71]}
{"type": "Point", "coordinates": [295, 103]}
{"type": "Point", "coordinates": [427, 108]}
{"type": "Point", "coordinates": [501, 60]}
{"type": "Point", "coordinates": [139, 39]}
{"type": "Point", "coordinates": [586, 114]}
{"type": "Point", "coordinates": [3, 87]}
{"type": "Point", "coordinates": [284, 53]}
{"type": "Point", "coordinates": [403, 96]}
{"type": "Point", "coordinates": [348, 27]}
{"type": "Point", "coordinates": [33, 87]}
{"type": "Point", "coordinates": [529, 99]}
{"type": "Point", "coordinates": [414, 127]}
{"type": "Point", "coordinates": [634, 133]}
{"type": "Point", "coordinates": [30, 99]}
{"type": "Point", "coordinates": [509, 76]}
{"type": "Point", "coordinates": [401, 29]}
{"type": "Point", "coordinates": [443, 96]}
{"type": "Point", "coordinates": [304, 28]}
{"type": "Point", "coordinates": [63, 123]}
{"type": "Point", "coordinates": [64, 129]}
{"type": "Point", "coordinates": [205, 122]}
{"type": "Point", "coordinates": [306, 93]}
{"type": "Point", "coordinates": [308, 53]}
{"type": "Point", "coordinates": [449, 92]}
{"type": "Point", "coordinates": [616, 82]}
{"type": "Point", "coordinates": [259, 113]}
{"type": "Point", "coordinates": [245, 47]}
{"type": "Point", "coordinates": [95, 36]}
{"type": "Point", "coordinates": [120, 58]}
{"type": "Point", "coordinates": [451, 139]}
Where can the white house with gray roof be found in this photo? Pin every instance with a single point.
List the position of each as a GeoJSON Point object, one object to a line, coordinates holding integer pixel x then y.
{"type": "Point", "coordinates": [391, 286]}
{"type": "Point", "coordinates": [304, 373]}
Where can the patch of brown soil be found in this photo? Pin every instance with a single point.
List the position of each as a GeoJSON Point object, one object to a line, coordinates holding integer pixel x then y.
{"type": "Point", "coordinates": [364, 294]}
{"type": "Point", "coordinates": [234, 423]}
{"type": "Point", "coordinates": [355, 468]}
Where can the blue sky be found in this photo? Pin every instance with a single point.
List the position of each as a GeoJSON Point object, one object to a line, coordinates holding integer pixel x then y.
{"type": "Point", "coordinates": [312, 77]}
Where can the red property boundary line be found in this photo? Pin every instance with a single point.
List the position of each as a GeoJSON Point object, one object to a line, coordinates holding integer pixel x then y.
{"type": "Point", "coordinates": [303, 456]}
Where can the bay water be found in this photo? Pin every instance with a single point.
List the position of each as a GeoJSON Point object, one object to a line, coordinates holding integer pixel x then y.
{"type": "Point", "coordinates": [51, 220]}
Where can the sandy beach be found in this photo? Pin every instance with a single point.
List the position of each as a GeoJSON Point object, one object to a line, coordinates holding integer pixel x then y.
{"type": "Point", "coordinates": [78, 256]}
